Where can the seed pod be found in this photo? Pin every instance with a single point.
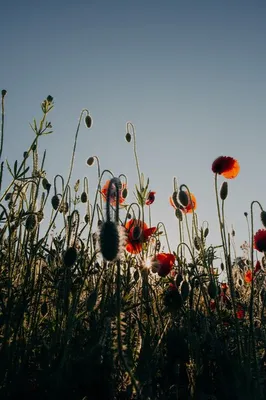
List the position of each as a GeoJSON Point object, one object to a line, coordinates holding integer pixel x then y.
{"type": "Point", "coordinates": [128, 137]}
{"type": "Point", "coordinates": [212, 289]}
{"type": "Point", "coordinates": [183, 198]}
{"type": "Point", "coordinates": [184, 290]}
{"type": "Point", "coordinates": [31, 222]}
{"type": "Point", "coordinates": [136, 233]}
{"type": "Point", "coordinates": [4, 92]}
{"type": "Point", "coordinates": [224, 191]}
{"type": "Point", "coordinates": [83, 197]}
{"type": "Point", "coordinates": [70, 257]}
{"type": "Point", "coordinates": [55, 202]}
{"type": "Point", "coordinates": [88, 121]}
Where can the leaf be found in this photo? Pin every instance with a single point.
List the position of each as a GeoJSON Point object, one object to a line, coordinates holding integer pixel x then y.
{"type": "Point", "coordinates": [9, 169]}
{"type": "Point", "coordinates": [23, 173]}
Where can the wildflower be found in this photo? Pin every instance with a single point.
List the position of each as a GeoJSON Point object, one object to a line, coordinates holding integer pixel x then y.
{"type": "Point", "coordinates": [113, 193]}
{"type": "Point", "coordinates": [163, 263]}
{"type": "Point", "coordinates": [192, 204]}
{"type": "Point", "coordinates": [248, 276]}
{"type": "Point", "coordinates": [150, 198]}
{"type": "Point", "coordinates": [240, 312]}
{"type": "Point", "coordinates": [88, 121]}
{"type": "Point", "coordinates": [226, 166]}
{"type": "Point", "coordinates": [260, 240]}
{"type": "Point", "coordinates": [137, 234]}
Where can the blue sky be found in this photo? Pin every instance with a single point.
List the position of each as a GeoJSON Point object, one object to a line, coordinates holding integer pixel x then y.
{"type": "Point", "coordinates": [189, 75]}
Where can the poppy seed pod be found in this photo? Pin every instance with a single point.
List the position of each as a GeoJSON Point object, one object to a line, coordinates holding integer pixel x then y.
{"type": "Point", "coordinates": [183, 198]}
{"type": "Point", "coordinates": [224, 191]}
{"type": "Point", "coordinates": [88, 121]}
{"type": "Point", "coordinates": [31, 222]}
{"type": "Point", "coordinates": [109, 241]}
{"type": "Point", "coordinates": [263, 218]}
{"type": "Point", "coordinates": [70, 257]}
{"type": "Point", "coordinates": [55, 202]}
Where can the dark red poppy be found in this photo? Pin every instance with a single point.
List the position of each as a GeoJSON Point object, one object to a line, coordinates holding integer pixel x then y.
{"type": "Point", "coordinates": [212, 305]}
{"type": "Point", "coordinates": [172, 286]}
{"type": "Point", "coordinates": [165, 263]}
{"type": "Point", "coordinates": [226, 166]}
{"type": "Point", "coordinates": [150, 198]}
{"type": "Point", "coordinates": [240, 312]}
{"type": "Point", "coordinates": [137, 234]}
{"type": "Point", "coordinates": [260, 240]}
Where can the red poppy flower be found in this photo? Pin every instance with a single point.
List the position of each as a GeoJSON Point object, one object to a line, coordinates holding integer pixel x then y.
{"type": "Point", "coordinates": [150, 198]}
{"type": "Point", "coordinates": [212, 305]}
{"type": "Point", "coordinates": [165, 263]}
{"type": "Point", "coordinates": [192, 204]}
{"type": "Point", "coordinates": [248, 276]}
{"type": "Point", "coordinates": [257, 267]}
{"type": "Point", "coordinates": [137, 233]}
{"type": "Point", "coordinates": [260, 240]}
{"type": "Point", "coordinates": [172, 286]}
{"type": "Point", "coordinates": [226, 166]}
{"type": "Point", "coordinates": [113, 193]}
{"type": "Point", "coordinates": [240, 312]}
{"type": "Point", "coordinates": [224, 287]}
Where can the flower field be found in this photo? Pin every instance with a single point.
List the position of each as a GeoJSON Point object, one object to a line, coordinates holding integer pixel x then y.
{"type": "Point", "coordinates": [93, 306]}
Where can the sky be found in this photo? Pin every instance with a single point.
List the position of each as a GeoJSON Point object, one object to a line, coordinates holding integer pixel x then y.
{"type": "Point", "coordinates": [189, 75]}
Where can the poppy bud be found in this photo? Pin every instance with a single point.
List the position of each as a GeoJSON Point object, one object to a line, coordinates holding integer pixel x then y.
{"type": "Point", "coordinates": [175, 201]}
{"type": "Point", "coordinates": [183, 198]}
{"type": "Point", "coordinates": [206, 232]}
{"type": "Point", "coordinates": [90, 161]}
{"type": "Point", "coordinates": [86, 218]}
{"type": "Point", "coordinates": [128, 137]}
{"type": "Point", "coordinates": [246, 214]}
{"type": "Point", "coordinates": [212, 289]}
{"type": "Point", "coordinates": [49, 99]}
{"type": "Point", "coordinates": [124, 193]}
{"type": "Point", "coordinates": [70, 257]}
{"type": "Point", "coordinates": [4, 92]}
{"type": "Point", "coordinates": [46, 185]}
{"type": "Point", "coordinates": [109, 240]}
{"type": "Point", "coordinates": [31, 222]}
{"type": "Point", "coordinates": [55, 202]}
{"type": "Point", "coordinates": [263, 218]}
{"type": "Point", "coordinates": [178, 280]}
{"type": "Point", "coordinates": [88, 121]}
{"type": "Point", "coordinates": [178, 214]}
{"type": "Point", "coordinates": [83, 197]}
{"type": "Point", "coordinates": [184, 290]}
{"type": "Point", "coordinates": [224, 190]}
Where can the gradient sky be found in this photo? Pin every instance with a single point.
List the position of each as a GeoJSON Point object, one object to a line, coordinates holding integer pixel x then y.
{"type": "Point", "coordinates": [190, 75]}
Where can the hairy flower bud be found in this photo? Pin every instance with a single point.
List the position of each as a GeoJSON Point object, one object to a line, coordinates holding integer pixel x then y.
{"type": "Point", "coordinates": [224, 190]}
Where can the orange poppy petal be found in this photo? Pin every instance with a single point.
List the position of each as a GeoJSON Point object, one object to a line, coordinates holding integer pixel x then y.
{"type": "Point", "coordinates": [133, 248]}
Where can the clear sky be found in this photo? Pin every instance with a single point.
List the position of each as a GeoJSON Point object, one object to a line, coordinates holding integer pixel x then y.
{"type": "Point", "coordinates": [189, 74]}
